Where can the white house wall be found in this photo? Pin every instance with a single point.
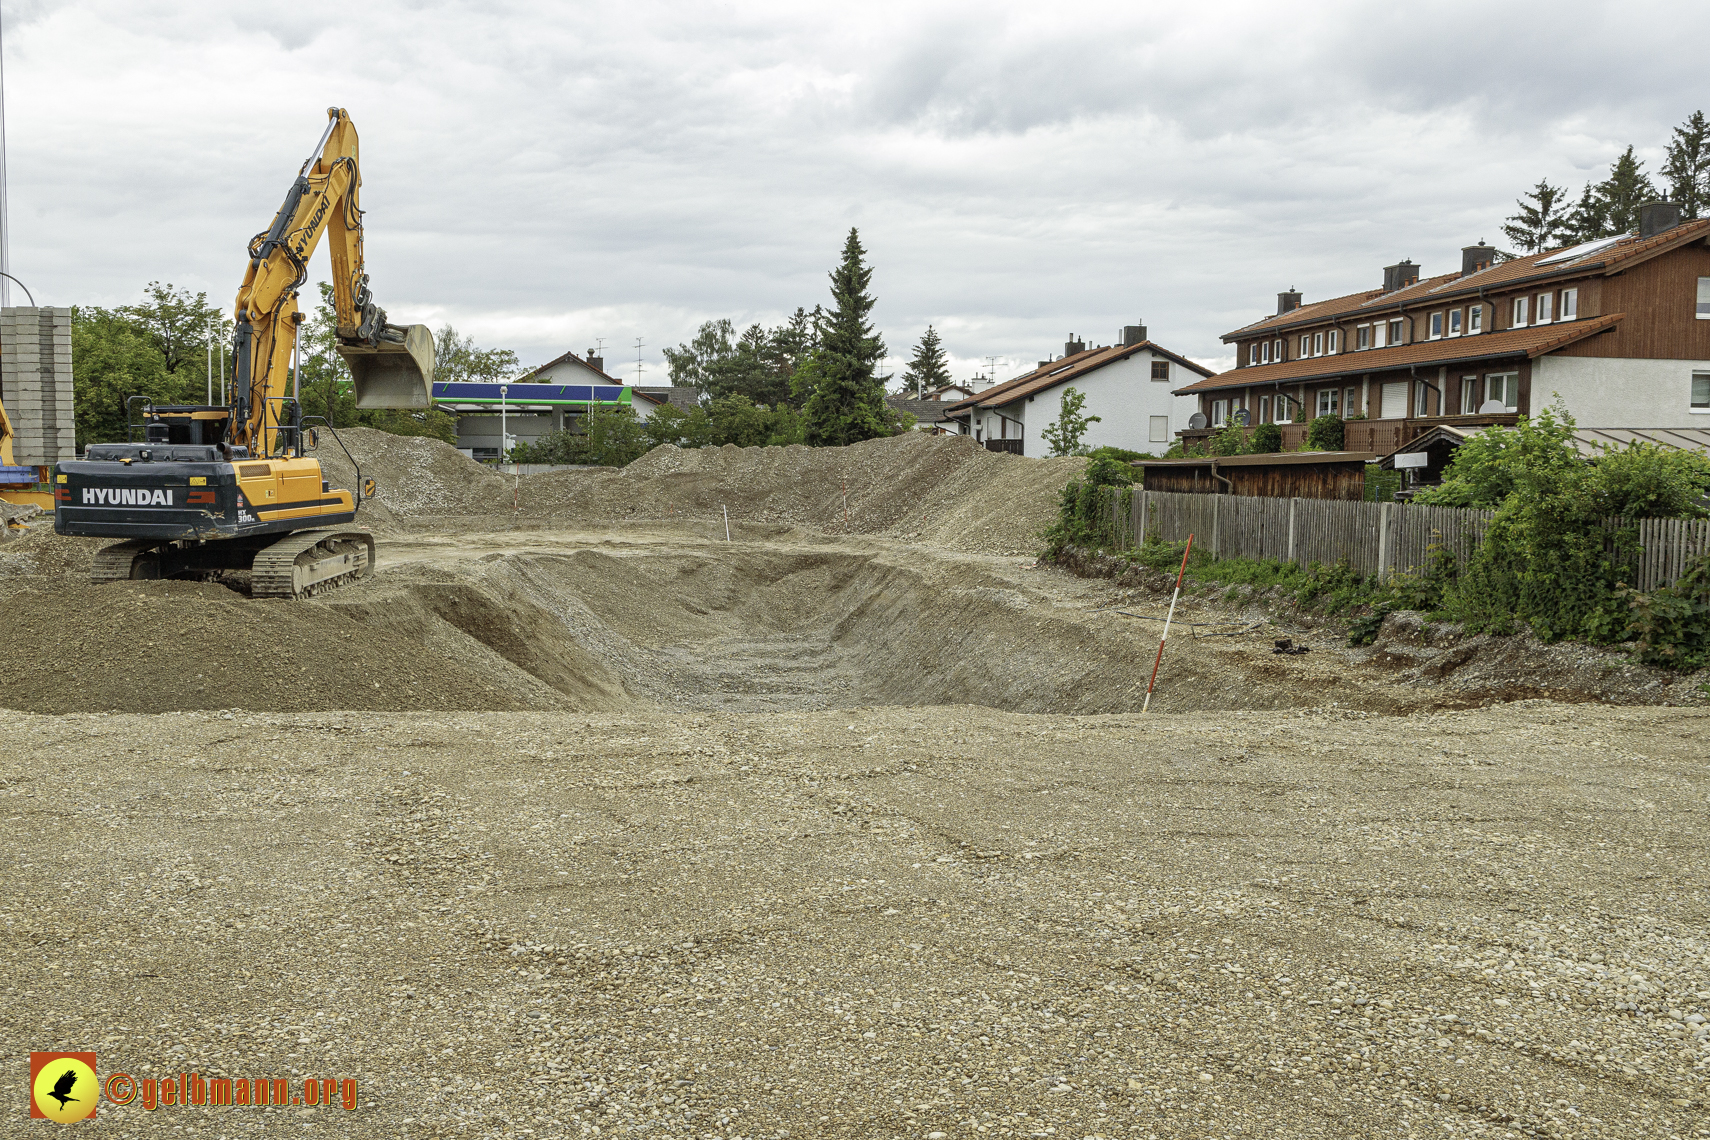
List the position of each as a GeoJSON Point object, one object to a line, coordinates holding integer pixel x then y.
{"type": "Point", "coordinates": [1616, 392]}
{"type": "Point", "coordinates": [1124, 397]}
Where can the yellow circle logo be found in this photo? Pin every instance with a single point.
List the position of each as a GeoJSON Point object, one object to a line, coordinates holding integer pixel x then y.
{"type": "Point", "coordinates": [66, 1090]}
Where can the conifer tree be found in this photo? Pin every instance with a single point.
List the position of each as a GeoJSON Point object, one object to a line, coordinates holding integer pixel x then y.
{"type": "Point", "coordinates": [1688, 167]}
{"type": "Point", "coordinates": [844, 400]}
{"type": "Point", "coordinates": [1623, 192]}
{"type": "Point", "coordinates": [1542, 220]}
{"type": "Point", "coordinates": [1589, 219]}
{"type": "Point", "coordinates": [928, 368]}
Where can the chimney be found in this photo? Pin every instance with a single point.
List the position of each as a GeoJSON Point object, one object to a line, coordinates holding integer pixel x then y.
{"type": "Point", "coordinates": [1288, 302]}
{"type": "Point", "coordinates": [1656, 217]}
{"type": "Point", "coordinates": [596, 362]}
{"type": "Point", "coordinates": [1133, 334]}
{"type": "Point", "coordinates": [1475, 258]}
{"type": "Point", "coordinates": [1400, 275]}
{"type": "Point", "coordinates": [1074, 345]}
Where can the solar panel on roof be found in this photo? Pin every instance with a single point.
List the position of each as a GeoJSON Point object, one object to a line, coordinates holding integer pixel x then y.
{"type": "Point", "coordinates": [1579, 251]}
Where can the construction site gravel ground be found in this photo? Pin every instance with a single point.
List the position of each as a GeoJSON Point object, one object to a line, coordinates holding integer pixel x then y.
{"type": "Point", "coordinates": [576, 819]}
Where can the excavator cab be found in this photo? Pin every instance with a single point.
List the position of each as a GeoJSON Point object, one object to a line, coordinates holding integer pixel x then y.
{"type": "Point", "coordinates": [393, 374]}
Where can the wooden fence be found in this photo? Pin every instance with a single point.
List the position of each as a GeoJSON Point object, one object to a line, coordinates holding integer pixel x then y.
{"type": "Point", "coordinates": [1373, 538]}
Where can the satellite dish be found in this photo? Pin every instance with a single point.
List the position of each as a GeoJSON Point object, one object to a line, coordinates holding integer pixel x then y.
{"type": "Point", "coordinates": [1241, 417]}
{"type": "Point", "coordinates": [1490, 406]}
{"type": "Point", "coordinates": [1197, 420]}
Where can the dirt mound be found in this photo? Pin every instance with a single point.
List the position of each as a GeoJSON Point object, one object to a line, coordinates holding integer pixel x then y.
{"type": "Point", "coordinates": [946, 490]}
{"type": "Point", "coordinates": [166, 646]}
{"type": "Point", "coordinates": [417, 476]}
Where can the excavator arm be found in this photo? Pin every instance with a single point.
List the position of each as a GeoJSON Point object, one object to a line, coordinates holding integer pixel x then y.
{"type": "Point", "coordinates": [391, 365]}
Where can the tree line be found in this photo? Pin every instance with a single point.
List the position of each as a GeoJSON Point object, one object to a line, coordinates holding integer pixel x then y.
{"type": "Point", "coordinates": [813, 379]}
{"type": "Point", "coordinates": [1547, 217]}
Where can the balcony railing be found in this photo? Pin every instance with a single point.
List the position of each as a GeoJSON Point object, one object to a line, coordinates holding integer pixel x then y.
{"type": "Point", "coordinates": [1007, 446]}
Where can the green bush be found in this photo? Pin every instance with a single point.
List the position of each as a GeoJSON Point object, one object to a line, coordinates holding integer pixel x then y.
{"type": "Point", "coordinates": [1119, 453]}
{"type": "Point", "coordinates": [1231, 439]}
{"type": "Point", "coordinates": [1267, 440]}
{"type": "Point", "coordinates": [1672, 625]}
{"type": "Point", "coordinates": [1325, 433]}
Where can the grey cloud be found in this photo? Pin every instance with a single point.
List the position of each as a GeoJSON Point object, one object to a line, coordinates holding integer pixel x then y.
{"type": "Point", "coordinates": [542, 174]}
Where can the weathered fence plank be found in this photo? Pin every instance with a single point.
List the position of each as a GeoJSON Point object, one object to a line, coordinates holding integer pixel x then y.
{"type": "Point", "coordinates": [1373, 538]}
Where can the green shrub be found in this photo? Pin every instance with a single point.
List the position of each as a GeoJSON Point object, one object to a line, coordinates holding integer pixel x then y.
{"type": "Point", "coordinates": [1267, 440]}
{"type": "Point", "coordinates": [1325, 433]}
{"type": "Point", "coordinates": [1231, 439]}
{"type": "Point", "coordinates": [1672, 625]}
{"type": "Point", "coordinates": [1119, 453]}
{"type": "Point", "coordinates": [1381, 485]}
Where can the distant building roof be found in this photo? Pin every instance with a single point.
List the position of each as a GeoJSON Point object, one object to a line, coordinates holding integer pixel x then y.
{"type": "Point", "coordinates": [567, 358]}
{"type": "Point", "coordinates": [1056, 372]}
{"type": "Point", "coordinates": [677, 395]}
{"type": "Point", "coordinates": [924, 411]}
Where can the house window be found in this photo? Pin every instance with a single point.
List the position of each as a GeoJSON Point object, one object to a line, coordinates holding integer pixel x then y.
{"type": "Point", "coordinates": [1332, 341]}
{"type": "Point", "coordinates": [1421, 400]}
{"type": "Point", "coordinates": [1436, 326]}
{"type": "Point", "coordinates": [1161, 370]}
{"type": "Point", "coordinates": [1570, 304]}
{"type": "Point", "coordinates": [1701, 392]}
{"type": "Point", "coordinates": [1475, 319]}
{"type": "Point", "coordinates": [1318, 338]}
{"type": "Point", "coordinates": [1160, 429]}
{"type": "Point", "coordinates": [1264, 409]}
{"type": "Point", "coordinates": [1395, 332]}
{"type": "Point", "coordinates": [1454, 322]}
{"type": "Point", "coordinates": [1351, 402]}
{"type": "Point", "coordinates": [1219, 412]}
{"type": "Point", "coordinates": [1704, 298]}
{"type": "Point", "coordinates": [1305, 345]}
{"type": "Point", "coordinates": [1265, 353]}
{"type": "Point", "coordinates": [1546, 305]}
{"type": "Point", "coordinates": [1504, 386]}
{"type": "Point", "coordinates": [1377, 335]}
{"type": "Point", "coordinates": [1519, 321]}
{"type": "Point", "coordinates": [1327, 400]}
{"type": "Point", "coordinates": [1279, 352]}
{"type": "Point", "coordinates": [1362, 337]}
{"type": "Point", "coordinates": [1469, 395]}
{"type": "Point", "coordinates": [1253, 353]}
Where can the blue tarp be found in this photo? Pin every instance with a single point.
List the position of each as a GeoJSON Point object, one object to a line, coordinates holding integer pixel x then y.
{"type": "Point", "coordinates": [532, 393]}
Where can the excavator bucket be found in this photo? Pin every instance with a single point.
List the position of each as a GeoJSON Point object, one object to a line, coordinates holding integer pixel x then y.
{"type": "Point", "coordinates": [393, 375]}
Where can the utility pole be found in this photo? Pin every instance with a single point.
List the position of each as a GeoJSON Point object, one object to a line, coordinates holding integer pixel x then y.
{"type": "Point", "coordinates": [5, 234]}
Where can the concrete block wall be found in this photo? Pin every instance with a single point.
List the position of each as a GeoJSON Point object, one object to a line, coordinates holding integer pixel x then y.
{"type": "Point", "coordinates": [35, 383]}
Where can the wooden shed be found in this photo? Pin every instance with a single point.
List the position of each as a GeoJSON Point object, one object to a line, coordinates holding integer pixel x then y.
{"type": "Point", "coordinates": [1301, 474]}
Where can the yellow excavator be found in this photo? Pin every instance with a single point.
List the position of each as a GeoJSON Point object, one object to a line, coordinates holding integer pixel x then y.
{"type": "Point", "coordinates": [212, 488]}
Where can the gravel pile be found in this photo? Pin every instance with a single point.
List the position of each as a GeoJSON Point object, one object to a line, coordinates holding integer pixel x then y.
{"type": "Point", "coordinates": [941, 489]}
{"type": "Point", "coordinates": [876, 922]}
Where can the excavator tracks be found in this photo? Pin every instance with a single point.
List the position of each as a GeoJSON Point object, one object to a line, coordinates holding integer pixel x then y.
{"type": "Point", "coordinates": [114, 563]}
{"type": "Point", "coordinates": [311, 562]}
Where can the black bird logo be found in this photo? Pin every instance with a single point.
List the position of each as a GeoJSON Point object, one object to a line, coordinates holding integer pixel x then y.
{"type": "Point", "coordinates": [62, 1087]}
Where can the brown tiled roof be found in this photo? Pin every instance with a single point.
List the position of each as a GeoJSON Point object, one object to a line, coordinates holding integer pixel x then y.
{"type": "Point", "coordinates": [1623, 254]}
{"type": "Point", "coordinates": [1530, 342]}
{"type": "Point", "coordinates": [1062, 371]}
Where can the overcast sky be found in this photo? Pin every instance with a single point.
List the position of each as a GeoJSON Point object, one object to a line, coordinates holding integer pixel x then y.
{"type": "Point", "coordinates": [544, 174]}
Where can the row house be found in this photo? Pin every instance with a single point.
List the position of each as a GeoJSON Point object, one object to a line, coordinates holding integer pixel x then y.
{"type": "Point", "coordinates": [1619, 329]}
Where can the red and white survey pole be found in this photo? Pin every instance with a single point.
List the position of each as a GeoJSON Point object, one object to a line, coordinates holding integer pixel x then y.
{"type": "Point", "coordinates": [1179, 574]}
